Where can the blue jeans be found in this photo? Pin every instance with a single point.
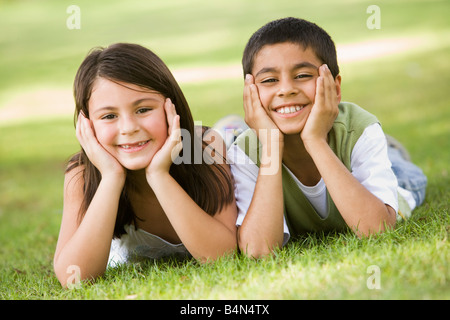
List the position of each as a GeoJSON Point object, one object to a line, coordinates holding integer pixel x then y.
{"type": "Point", "coordinates": [409, 176]}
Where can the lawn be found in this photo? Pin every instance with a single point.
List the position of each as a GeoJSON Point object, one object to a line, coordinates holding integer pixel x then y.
{"type": "Point", "coordinates": [408, 91]}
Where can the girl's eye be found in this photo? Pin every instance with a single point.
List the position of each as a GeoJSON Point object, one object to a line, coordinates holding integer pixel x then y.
{"type": "Point", "coordinates": [143, 110]}
{"type": "Point", "coordinates": [108, 117]}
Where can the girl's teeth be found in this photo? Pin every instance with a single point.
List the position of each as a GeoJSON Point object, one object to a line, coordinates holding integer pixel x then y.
{"type": "Point", "coordinates": [127, 146]}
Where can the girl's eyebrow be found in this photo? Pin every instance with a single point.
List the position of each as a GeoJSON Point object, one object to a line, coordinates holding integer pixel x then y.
{"type": "Point", "coordinates": [135, 103]}
{"type": "Point", "coordinates": [300, 65]}
{"type": "Point", "coordinates": [139, 101]}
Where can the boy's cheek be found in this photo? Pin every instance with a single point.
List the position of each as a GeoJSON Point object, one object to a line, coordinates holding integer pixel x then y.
{"type": "Point", "coordinates": [264, 97]}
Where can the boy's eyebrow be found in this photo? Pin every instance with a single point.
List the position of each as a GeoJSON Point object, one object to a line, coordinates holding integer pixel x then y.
{"type": "Point", "coordinates": [305, 64]}
{"type": "Point", "coordinates": [300, 65]}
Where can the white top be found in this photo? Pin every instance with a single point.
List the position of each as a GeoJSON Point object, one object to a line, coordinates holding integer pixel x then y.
{"type": "Point", "coordinates": [369, 163]}
{"type": "Point", "coordinates": [135, 245]}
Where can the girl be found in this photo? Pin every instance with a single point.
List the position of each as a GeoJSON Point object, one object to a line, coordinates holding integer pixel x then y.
{"type": "Point", "coordinates": [124, 198]}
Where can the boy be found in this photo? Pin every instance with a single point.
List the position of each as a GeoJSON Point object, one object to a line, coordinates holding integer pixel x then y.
{"type": "Point", "coordinates": [320, 164]}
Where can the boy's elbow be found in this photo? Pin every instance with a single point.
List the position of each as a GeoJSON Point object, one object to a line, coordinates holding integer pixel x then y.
{"type": "Point", "coordinates": [257, 249]}
{"type": "Point", "coordinates": [257, 253]}
{"type": "Point", "coordinates": [385, 224]}
{"type": "Point", "coordinates": [388, 221]}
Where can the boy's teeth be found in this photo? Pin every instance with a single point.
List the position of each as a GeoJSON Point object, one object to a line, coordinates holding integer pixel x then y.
{"type": "Point", "coordinates": [289, 109]}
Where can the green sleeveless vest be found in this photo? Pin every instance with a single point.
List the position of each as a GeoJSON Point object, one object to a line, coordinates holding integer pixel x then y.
{"type": "Point", "coordinates": [301, 217]}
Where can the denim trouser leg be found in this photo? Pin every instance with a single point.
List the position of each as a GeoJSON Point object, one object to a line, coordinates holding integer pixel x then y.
{"type": "Point", "coordinates": [409, 176]}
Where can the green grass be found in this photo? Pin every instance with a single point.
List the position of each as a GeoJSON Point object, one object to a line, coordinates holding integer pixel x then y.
{"type": "Point", "coordinates": [408, 92]}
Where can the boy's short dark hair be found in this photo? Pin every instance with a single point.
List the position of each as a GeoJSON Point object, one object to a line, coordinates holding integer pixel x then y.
{"type": "Point", "coordinates": [294, 30]}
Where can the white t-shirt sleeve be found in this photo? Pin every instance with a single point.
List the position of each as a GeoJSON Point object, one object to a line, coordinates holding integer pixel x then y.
{"type": "Point", "coordinates": [245, 174]}
{"type": "Point", "coordinates": [371, 166]}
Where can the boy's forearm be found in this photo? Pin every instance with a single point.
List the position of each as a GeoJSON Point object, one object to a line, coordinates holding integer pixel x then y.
{"type": "Point", "coordinates": [262, 229]}
{"type": "Point", "coordinates": [363, 212]}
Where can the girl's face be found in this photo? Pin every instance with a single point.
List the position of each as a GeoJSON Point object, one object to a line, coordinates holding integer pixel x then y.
{"type": "Point", "coordinates": [129, 121]}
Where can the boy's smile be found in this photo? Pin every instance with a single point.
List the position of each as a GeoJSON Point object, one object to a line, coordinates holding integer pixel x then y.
{"type": "Point", "coordinates": [286, 74]}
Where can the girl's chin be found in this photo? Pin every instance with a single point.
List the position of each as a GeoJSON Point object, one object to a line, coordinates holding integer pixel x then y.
{"type": "Point", "coordinates": [136, 166]}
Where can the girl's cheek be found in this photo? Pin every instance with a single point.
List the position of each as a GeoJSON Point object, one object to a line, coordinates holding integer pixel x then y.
{"type": "Point", "coordinates": [103, 135]}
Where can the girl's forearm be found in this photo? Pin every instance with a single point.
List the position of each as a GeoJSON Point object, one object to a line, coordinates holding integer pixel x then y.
{"type": "Point", "coordinates": [203, 236]}
{"type": "Point", "coordinates": [88, 248]}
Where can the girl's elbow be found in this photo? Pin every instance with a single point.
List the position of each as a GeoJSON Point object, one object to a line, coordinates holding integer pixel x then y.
{"type": "Point", "coordinates": [215, 254]}
{"type": "Point", "coordinates": [71, 276]}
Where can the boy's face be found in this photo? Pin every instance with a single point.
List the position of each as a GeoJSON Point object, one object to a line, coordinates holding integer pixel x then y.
{"type": "Point", "coordinates": [286, 76]}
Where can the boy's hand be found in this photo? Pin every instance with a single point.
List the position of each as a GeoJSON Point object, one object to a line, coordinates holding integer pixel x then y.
{"type": "Point", "coordinates": [99, 157]}
{"type": "Point", "coordinates": [255, 115]}
{"type": "Point", "coordinates": [324, 110]}
{"type": "Point", "coordinates": [163, 159]}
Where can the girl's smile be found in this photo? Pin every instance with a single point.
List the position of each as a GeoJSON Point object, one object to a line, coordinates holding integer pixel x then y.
{"type": "Point", "coordinates": [133, 147]}
{"type": "Point", "coordinates": [129, 121]}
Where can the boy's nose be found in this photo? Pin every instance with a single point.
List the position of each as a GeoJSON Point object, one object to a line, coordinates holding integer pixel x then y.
{"type": "Point", "coordinates": [128, 125]}
{"type": "Point", "coordinates": [287, 88]}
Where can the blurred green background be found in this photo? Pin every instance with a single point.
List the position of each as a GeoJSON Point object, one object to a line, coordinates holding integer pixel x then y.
{"type": "Point", "coordinates": [400, 72]}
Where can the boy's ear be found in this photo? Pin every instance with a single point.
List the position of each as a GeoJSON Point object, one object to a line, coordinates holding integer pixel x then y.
{"type": "Point", "coordinates": [337, 81]}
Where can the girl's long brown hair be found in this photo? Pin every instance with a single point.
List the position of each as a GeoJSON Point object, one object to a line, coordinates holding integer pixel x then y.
{"type": "Point", "coordinates": [209, 185]}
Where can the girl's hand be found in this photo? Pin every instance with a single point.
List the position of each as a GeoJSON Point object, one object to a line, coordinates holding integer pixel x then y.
{"type": "Point", "coordinates": [324, 110]}
{"type": "Point", "coordinates": [99, 157]}
{"type": "Point", "coordinates": [255, 114]}
{"type": "Point", "coordinates": [164, 158]}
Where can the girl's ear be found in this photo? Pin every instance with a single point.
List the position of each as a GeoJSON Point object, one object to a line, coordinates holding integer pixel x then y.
{"type": "Point", "coordinates": [337, 81]}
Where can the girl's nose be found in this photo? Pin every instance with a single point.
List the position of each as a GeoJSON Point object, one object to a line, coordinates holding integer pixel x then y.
{"type": "Point", "coordinates": [128, 125]}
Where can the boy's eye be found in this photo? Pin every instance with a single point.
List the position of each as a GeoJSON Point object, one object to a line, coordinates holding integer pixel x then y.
{"type": "Point", "coordinates": [269, 80]}
{"type": "Point", "coordinates": [303, 76]}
